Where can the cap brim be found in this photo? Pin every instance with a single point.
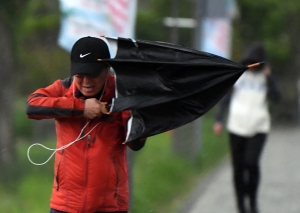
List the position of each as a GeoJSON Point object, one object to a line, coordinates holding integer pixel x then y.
{"type": "Point", "coordinates": [86, 68]}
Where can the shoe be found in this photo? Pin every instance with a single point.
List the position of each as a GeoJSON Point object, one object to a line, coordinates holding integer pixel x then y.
{"type": "Point", "coordinates": [254, 210]}
{"type": "Point", "coordinates": [241, 209]}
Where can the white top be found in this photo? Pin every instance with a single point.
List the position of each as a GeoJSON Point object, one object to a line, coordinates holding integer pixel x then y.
{"type": "Point", "coordinates": [248, 111]}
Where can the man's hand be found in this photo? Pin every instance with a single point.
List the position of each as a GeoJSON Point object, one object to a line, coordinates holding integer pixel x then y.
{"type": "Point", "coordinates": [94, 108]}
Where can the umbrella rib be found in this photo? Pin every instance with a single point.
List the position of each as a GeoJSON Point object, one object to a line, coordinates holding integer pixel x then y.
{"type": "Point", "coordinates": [255, 65]}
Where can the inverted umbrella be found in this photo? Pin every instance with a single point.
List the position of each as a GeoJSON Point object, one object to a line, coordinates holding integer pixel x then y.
{"type": "Point", "coordinates": [165, 85]}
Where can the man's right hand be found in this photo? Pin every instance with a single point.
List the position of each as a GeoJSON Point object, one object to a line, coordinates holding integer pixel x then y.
{"type": "Point", "coordinates": [94, 108]}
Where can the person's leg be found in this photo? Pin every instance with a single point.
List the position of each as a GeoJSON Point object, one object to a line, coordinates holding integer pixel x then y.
{"type": "Point", "coordinates": [253, 153]}
{"type": "Point", "coordinates": [237, 149]}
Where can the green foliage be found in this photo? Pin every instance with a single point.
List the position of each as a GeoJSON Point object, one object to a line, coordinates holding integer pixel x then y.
{"type": "Point", "coordinates": [149, 25]}
{"type": "Point", "coordinates": [21, 126]}
{"type": "Point", "coordinates": [23, 18]}
{"type": "Point", "coordinates": [41, 67]}
{"type": "Point", "coordinates": [149, 29]}
{"type": "Point", "coordinates": [38, 18]}
{"type": "Point", "coordinates": [40, 59]}
{"type": "Point", "coordinates": [163, 180]}
{"type": "Point", "coordinates": [270, 24]}
{"type": "Point", "coordinates": [11, 10]}
{"type": "Point", "coordinates": [159, 176]}
{"type": "Point", "coordinates": [33, 195]}
{"type": "Point", "coordinates": [34, 24]}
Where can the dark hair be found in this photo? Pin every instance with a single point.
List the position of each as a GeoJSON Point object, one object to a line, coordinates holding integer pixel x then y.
{"type": "Point", "coordinates": [253, 54]}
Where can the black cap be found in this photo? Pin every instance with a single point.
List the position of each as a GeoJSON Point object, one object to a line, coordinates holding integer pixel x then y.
{"type": "Point", "coordinates": [85, 54]}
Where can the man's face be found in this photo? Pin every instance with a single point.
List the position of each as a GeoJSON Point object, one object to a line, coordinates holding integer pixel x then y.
{"type": "Point", "coordinates": [90, 85]}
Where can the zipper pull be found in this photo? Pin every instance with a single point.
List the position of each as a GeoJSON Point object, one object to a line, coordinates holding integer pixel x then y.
{"type": "Point", "coordinates": [89, 140]}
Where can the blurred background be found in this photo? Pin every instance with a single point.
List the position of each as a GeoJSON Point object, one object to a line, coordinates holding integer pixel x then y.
{"type": "Point", "coordinates": [36, 37]}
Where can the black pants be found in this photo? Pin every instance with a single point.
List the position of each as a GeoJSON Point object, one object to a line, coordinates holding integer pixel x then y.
{"type": "Point", "coordinates": [55, 211]}
{"type": "Point", "coordinates": [245, 155]}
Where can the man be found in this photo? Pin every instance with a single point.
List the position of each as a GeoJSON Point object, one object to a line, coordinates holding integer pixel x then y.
{"type": "Point", "coordinates": [91, 173]}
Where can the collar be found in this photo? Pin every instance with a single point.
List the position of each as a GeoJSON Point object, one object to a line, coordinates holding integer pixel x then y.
{"type": "Point", "coordinates": [78, 94]}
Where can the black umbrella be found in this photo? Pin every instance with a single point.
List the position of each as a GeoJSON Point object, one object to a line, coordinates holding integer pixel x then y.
{"type": "Point", "coordinates": [166, 86]}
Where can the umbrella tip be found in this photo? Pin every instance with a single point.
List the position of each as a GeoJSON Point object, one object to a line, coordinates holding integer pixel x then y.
{"type": "Point", "coordinates": [255, 64]}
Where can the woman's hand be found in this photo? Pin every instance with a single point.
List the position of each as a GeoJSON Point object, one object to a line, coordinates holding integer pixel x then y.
{"type": "Point", "coordinates": [267, 70]}
{"type": "Point", "coordinates": [218, 128]}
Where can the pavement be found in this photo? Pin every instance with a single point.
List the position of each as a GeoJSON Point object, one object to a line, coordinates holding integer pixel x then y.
{"type": "Point", "coordinates": [279, 190]}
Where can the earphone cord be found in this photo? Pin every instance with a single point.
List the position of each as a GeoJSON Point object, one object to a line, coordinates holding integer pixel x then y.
{"type": "Point", "coordinates": [69, 144]}
{"type": "Point", "coordinates": [61, 148]}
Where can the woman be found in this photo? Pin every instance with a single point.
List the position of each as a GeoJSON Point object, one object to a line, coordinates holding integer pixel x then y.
{"type": "Point", "coordinates": [248, 124]}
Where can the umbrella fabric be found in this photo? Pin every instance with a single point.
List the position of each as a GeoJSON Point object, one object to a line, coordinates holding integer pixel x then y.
{"type": "Point", "coordinates": [166, 86]}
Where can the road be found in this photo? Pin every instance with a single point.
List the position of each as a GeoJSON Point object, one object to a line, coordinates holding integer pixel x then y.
{"type": "Point", "coordinates": [279, 191]}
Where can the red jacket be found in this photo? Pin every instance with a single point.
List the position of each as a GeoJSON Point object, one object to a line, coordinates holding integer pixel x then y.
{"type": "Point", "coordinates": [90, 175]}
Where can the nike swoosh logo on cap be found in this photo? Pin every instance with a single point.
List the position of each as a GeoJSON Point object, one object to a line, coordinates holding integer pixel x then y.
{"type": "Point", "coordinates": [81, 56]}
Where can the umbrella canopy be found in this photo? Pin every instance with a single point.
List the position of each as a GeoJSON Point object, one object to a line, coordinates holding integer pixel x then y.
{"type": "Point", "coordinates": [166, 86]}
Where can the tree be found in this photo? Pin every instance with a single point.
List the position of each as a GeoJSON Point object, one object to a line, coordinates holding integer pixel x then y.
{"type": "Point", "coordinates": [17, 20]}
{"type": "Point", "coordinates": [10, 20]}
{"type": "Point", "coordinates": [150, 20]}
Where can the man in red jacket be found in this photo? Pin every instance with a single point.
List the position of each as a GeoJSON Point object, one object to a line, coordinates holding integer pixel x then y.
{"type": "Point", "coordinates": [91, 174]}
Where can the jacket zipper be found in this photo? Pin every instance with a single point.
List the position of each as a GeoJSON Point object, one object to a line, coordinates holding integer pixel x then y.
{"type": "Point", "coordinates": [86, 170]}
{"type": "Point", "coordinates": [89, 141]}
